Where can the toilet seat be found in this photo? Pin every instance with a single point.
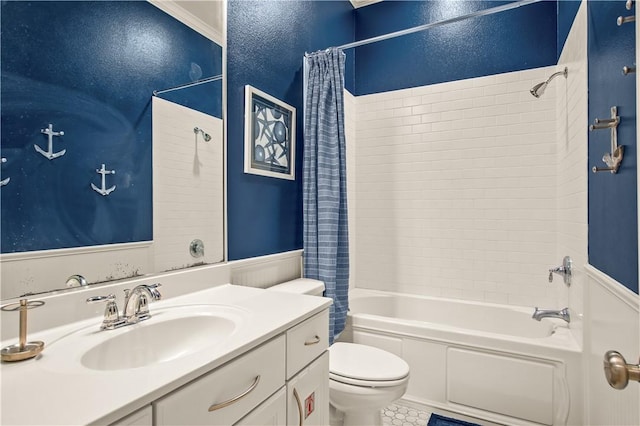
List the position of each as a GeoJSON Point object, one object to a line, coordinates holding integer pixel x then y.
{"type": "Point", "coordinates": [366, 366]}
{"type": "Point", "coordinates": [367, 383]}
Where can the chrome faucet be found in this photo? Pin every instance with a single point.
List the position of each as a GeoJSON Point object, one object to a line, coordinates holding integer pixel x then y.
{"type": "Point", "coordinates": [563, 314]}
{"type": "Point", "coordinates": [136, 306]}
{"type": "Point", "coordinates": [564, 270]}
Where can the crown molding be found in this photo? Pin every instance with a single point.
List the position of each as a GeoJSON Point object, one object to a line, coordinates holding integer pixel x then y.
{"type": "Point", "coordinates": [211, 30]}
{"type": "Point", "coordinates": [362, 3]}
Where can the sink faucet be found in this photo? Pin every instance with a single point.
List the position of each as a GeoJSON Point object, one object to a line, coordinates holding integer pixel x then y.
{"type": "Point", "coordinates": [563, 314]}
{"type": "Point", "coordinates": [136, 306]}
{"type": "Point", "coordinates": [136, 303]}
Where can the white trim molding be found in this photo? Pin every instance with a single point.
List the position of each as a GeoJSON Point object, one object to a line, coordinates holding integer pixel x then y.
{"type": "Point", "coordinates": [39, 254]}
{"type": "Point", "coordinates": [616, 289]}
{"type": "Point", "coordinates": [362, 3]}
{"type": "Point", "coordinates": [182, 12]}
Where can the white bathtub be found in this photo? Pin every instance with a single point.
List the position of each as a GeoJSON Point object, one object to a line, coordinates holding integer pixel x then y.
{"type": "Point", "coordinates": [492, 362]}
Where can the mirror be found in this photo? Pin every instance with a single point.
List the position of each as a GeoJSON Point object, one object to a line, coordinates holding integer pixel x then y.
{"type": "Point", "coordinates": [112, 140]}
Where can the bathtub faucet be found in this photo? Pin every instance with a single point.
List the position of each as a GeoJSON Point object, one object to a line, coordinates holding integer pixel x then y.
{"type": "Point", "coordinates": [563, 314]}
{"type": "Point", "coordinates": [564, 271]}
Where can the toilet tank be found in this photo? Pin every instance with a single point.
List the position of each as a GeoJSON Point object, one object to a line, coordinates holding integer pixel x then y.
{"type": "Point", "coordinates": [300, 286]}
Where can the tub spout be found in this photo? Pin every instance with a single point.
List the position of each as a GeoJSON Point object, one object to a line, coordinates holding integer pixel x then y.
{"type": "Point", "coordinates": [563, 314]}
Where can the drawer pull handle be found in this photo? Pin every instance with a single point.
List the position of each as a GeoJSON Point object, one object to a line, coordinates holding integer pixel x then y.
{"type": "Point", "coordinates": [315, 341]}
{"type": "Point", "coordinates": [236, 398]}
{"type": "Point", "coordinates": [300, 413]}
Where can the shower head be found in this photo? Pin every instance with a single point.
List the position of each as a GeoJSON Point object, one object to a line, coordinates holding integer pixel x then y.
{"type": "Point", "coordinates": [539, 88]}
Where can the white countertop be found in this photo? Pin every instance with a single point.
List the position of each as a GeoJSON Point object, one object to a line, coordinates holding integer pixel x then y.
{"type": "Point", "coordinates": [50, 390]}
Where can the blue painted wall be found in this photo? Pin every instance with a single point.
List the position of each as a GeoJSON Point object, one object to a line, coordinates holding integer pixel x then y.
{"type": "Point", "coordinates": [89, 68]}
{"type": "Point", "coordinates": [266, 43]}
{"type": "Point", "coordinates": [613, 231]}
{"type": "Point", "coordinates": [513, 40]}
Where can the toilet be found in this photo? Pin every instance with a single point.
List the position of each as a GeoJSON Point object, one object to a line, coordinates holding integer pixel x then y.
{"type": "Point", "coordinates": [362, 379]}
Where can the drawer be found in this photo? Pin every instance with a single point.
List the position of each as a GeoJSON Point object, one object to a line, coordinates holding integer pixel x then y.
{"type": "Point", "coordinates": [306, 341]}
{"type": "Point", "coordinates": [257, 375]}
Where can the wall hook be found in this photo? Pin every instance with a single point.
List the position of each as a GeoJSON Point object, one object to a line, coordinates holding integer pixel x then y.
{"type": "Point", "coordinates": [628, 70]}
{"type": "Point", "coordinates": [206, 136]}
{"type": "Point", "coordinates": [625, 19]}
{"type": "Point", "coordinates": [104, 190]}
{"type": "Point", "coordinates": [612, 161]}
{"type": "Point", "coordinates": [629, 4]}
{"type": "Point", "coordinates": [3, 182]}
{"type": "Point", "coordinates": [49, 153]}
{"type": "Point", "coordinates": [614, 158]}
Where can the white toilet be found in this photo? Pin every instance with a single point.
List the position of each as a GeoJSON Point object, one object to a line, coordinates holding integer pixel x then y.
{"type": "Point", "coordinates": [362, 379]}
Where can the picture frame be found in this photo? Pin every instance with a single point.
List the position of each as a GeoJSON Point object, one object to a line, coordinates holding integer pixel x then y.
{"type": "Point", "coordinates": [269, 135]}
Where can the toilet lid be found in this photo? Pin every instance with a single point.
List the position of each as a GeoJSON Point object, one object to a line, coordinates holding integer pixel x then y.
{"type": "Point", "coordinates": [361, 362]}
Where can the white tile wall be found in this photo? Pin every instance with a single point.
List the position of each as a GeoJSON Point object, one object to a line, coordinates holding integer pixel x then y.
{"type": "Point", "coordinates": [456, 190]}
{"type": "Point", "coordinates": [573, 169]}
{"type": "Point", "coordinates": [187, 186]}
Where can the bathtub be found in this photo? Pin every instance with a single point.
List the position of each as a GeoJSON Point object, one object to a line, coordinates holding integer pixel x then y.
{"type": "Point", "coordinates": [487, 361]}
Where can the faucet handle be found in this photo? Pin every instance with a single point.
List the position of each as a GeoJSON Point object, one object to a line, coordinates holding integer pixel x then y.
{"type": "Point", "coordinates": [154, 292]}
{"type": "Point", "coordinates": [142, 308]}
{"type": "Point", "coordinates": [96, 299]}
{"type": "Point", "coordinates": [564, 270]}
{"type": "Point", "coordinates": [111, 315]}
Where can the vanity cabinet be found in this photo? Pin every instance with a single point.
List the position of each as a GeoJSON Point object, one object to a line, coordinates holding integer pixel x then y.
{"type": "Point", "coordinates": [282, 382]}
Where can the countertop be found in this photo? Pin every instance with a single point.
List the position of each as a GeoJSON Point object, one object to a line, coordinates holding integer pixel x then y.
{"type": "Point", "coordinates": [50, 390]}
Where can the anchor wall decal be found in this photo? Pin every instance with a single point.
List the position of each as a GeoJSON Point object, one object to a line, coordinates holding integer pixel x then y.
{"type": "Point", "coordinates": [104, 191]}
{"type": "Point", "coordinates": [49, 153]}
{"type": "Point", "coordinates": [3, 182]}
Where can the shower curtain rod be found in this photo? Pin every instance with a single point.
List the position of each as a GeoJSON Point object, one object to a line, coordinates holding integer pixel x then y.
{"type": "Point", "coordinates": [184, 86]}
{"type": "Point", "coordinates": [477, 14]}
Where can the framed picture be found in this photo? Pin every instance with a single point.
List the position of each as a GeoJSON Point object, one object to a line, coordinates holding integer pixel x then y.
{"type": "Point", "coordinates": [269, 135]}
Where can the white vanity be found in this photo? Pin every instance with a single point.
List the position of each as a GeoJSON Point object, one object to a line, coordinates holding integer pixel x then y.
{"type": "Point", "coordinates": [268, 366]}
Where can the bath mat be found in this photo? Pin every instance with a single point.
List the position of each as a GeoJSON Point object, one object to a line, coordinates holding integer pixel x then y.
{"type": "Point", "coordinates": [436, 420]}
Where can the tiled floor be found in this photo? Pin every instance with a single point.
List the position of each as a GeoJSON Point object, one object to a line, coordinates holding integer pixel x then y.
{"type": "Point", "coordinates": [399, 415]}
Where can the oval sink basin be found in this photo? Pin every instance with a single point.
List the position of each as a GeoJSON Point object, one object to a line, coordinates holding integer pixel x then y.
{"type": "Point", "coordinates": [153, 342]}
{"type": "Point", "coordinates": [171, 333]}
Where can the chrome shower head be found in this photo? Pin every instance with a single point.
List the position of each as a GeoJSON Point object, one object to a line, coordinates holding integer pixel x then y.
{"type": "Point", "coordinates": [539, 88]}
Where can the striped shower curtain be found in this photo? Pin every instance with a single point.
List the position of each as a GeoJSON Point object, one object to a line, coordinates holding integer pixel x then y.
{"type": "Point", "coordinates": [324, 183]}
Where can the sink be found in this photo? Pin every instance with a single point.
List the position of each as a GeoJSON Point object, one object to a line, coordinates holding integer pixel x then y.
{"type": "Point", "coordinates": [170, 334]}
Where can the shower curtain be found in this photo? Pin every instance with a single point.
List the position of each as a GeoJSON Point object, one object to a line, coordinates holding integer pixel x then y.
{"type": "Point", "coordinates": [324, 182]}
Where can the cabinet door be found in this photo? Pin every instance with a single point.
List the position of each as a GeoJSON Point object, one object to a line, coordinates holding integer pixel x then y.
{"type": "Point", "coordinates": [142, 417]}
{"type": "Point", "coordinates": [272, 412]}
{"type": "Point", "coordinates": [308, 394]}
